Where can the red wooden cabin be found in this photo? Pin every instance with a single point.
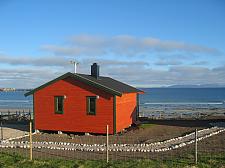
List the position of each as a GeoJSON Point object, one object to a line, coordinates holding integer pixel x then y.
{"type": "Point", "coordinates": [85, 103]}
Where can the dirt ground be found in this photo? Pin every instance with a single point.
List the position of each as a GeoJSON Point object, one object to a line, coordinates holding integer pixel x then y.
{"type": "Point", "coordinates": [13, 130]}
{"type": "Point", "coordinates": [158, 130]}
{"type": "Point", "coordinates": [212, 147]}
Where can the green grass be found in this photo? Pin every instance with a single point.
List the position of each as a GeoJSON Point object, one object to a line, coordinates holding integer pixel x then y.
{"type": "Point", "coordinates": [147, 125]}
{"type": "Point", "coordinates": [16, 161]}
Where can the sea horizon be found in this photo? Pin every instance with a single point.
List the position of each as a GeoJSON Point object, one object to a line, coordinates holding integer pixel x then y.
{"type": "Point", "coordinates": [152, 98]}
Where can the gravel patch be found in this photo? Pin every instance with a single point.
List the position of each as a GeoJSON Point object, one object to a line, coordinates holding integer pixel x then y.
{"type": "Point", "coordinates": [14, 131]}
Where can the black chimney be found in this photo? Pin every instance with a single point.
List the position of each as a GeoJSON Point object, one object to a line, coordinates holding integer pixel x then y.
{"type": "Point", "coordinates": [95, 70]}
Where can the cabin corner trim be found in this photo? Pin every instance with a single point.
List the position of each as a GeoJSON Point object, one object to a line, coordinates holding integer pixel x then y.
{"type": "Point", "coordinates": [114, 114]}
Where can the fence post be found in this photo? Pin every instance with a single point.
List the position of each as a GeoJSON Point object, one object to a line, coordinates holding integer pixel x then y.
{"type": "Point", "coordinates": [29, 114]}
{"type": "Point", "coordinates": [1, 127]}
{"type": "Point", "coordinates": [31, 148]}
{"type": "Point", "coordinates": [107, 143]}
{"type": "Point", "coordinates": [196, 146]}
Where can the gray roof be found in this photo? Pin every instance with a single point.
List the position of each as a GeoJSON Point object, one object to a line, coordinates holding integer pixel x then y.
{"type": "Point", "coordinates": [112, 83]}
{"type": "Point", "coordinates": [104, 83]}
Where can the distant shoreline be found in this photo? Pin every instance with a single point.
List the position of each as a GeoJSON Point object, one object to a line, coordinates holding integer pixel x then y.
{"type": "Point", "coordinates": [22, 90]}
{"type": "Point", "coordinates": [181, 87]}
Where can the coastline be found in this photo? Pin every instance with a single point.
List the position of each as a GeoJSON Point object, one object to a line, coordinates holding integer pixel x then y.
{"type": "Point", "coordinates": [182, 113]}
{"type": "Point", "coordinates": [153, 113]}
{"type": "Point", "coordinates": [14, 110]}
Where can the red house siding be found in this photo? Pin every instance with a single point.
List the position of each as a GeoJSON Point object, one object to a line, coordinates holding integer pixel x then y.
{"type": "Point", "coordinates": [125, 110]}
{"type": "Point", "coordinates": [74, 118]}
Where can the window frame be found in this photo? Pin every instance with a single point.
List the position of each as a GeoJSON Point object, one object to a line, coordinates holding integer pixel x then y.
{"type": "Point", "coordinates": [88, 109]}
{"type": "Point", "coordinates": [56, 105]}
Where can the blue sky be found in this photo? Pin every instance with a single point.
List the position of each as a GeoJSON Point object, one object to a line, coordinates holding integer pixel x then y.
{"type": "Point", "coordinates": [143, 43]}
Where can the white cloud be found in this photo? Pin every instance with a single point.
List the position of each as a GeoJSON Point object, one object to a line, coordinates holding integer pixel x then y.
{"type": "Point", "coordinates": [200, 63]}
{"type": "Point", "coordinates": [163, 62]}
{"type": "Point", "coordinates": [87, 45]}
{"type": "Point", "coordinates": [40, 61]}
{"type": "Point", "coordinates": [25, 77]}
{"type": "Point", "coordinates": [134, 73]}
{"type": "Point", "coordinates": [182, 75]}
{"type": "Point", "coordinates": [29, 72]}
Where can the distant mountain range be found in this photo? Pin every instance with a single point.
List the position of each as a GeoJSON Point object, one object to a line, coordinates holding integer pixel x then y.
{"type": "Point", "coordinates": [197, 86]}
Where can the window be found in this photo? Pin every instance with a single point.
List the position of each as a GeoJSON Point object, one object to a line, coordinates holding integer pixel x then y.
{"type": "Point", "coordinates": [59, 104]}
{"type": "Point", "coordinates": [91, 105]}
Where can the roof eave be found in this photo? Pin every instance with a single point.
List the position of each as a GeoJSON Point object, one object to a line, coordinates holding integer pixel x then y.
{"type": "Point", "coordinates": [76, 76]}
{"type": "Point", "coordinates": [140, 91]}
{"type": "Point", "coordinates": [48, 83]}
{"type": "Point", "coordinates": [29, 93]}
{"type": "Point", "coordinates": [102, 87]}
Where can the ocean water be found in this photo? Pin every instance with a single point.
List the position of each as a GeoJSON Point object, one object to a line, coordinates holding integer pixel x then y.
{"type": "Point", "coordinates": [180, 98]}
{"type": "Point", "coordinates": [15, 100]}
{"type": "Point", "coordinates": [154, 98]}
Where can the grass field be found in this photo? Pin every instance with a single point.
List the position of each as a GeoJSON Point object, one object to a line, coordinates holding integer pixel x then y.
{"type": "Point", "coordinates": [147, 125]}
{"type": "Point", "coordinates": [15, 161]}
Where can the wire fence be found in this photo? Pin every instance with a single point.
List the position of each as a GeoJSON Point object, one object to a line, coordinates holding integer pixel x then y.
{"type": "Point", "coordinates": [163, 141]}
